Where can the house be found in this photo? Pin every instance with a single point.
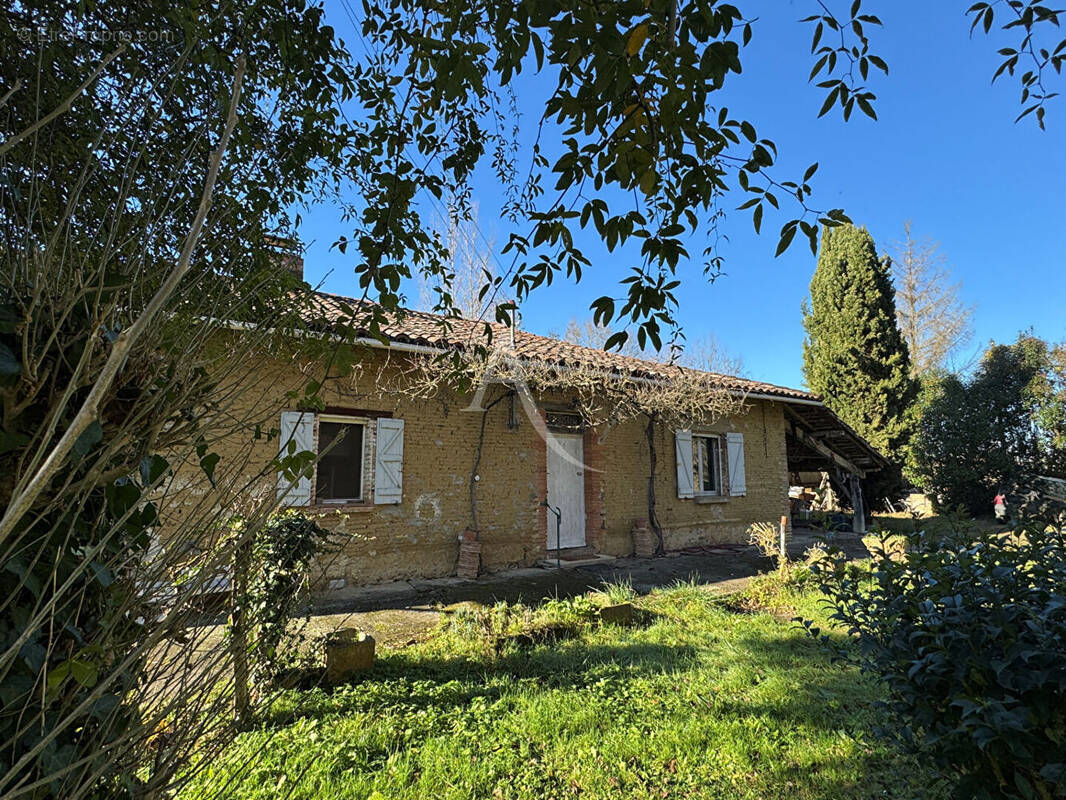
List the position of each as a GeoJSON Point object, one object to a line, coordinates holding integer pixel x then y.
{"type": "Point", "coordinates": [401, 478]}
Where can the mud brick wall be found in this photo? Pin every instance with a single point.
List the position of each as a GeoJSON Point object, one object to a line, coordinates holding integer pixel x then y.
{"type": "Point", "coordinates": [419, 537]}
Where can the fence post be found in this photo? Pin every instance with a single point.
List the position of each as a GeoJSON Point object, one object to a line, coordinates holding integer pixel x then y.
{"type": "Point", "coordinates": [783, 553]}
{"type": "Point", "coordinates": [242, 705]}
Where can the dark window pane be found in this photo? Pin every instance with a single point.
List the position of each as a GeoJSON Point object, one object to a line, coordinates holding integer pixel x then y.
{"type": "Point", "coordinates": [708, 465]}
{"type": "Point", "coordinates": [710, 457]}
{"type": "Point", "coordinates": [340, 471]}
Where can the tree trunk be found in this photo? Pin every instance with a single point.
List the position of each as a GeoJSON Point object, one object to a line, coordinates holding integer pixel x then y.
{"type": "Point", "coordinates": [242, 704]}
{"type": "Point", "coordinates": [653, 519]}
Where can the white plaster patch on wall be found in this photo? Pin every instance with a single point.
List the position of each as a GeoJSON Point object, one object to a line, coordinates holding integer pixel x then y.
{"type": "Point", "coordinates": [427, 508]}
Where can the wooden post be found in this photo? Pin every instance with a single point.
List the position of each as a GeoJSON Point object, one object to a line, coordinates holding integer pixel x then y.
{"type": "Point", "coordinates": [242, 704]}
{"type": "Point", "coordinates": [783, 553]}
{"type": "Point", "coordinates": [859, 520]}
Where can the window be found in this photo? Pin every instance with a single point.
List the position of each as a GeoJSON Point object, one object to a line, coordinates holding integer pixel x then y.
{"type": "Point", "coordinates": [710, 479]}
{"type": "Point", "coordinates": [339, 475]}
{"type": "Point", "coordinates": [563, 421]}
{"type": "Point", "coordinates": [361, 459]}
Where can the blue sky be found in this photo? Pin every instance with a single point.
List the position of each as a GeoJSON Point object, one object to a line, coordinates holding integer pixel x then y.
{"type": "Point", "coordinates": [944, 153]}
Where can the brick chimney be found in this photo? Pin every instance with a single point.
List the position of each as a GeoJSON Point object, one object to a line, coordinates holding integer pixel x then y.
{"type": "Point", "coordinates": [288, 254]}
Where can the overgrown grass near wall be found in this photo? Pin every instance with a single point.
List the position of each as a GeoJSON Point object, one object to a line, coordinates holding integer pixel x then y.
{"type": "Point", "coordinates": [702, 700]}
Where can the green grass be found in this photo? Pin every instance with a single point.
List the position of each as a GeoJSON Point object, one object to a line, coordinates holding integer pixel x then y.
{"type": "Point", "coordinates": [698, 702]}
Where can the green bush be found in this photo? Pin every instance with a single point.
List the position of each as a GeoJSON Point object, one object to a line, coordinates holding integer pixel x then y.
{"type": "Point", "coordinates": [967, 632]}
{"type": "Point", "coordinates": [775, 592]}
{"type": "Point", "coordinates": [282, 552]}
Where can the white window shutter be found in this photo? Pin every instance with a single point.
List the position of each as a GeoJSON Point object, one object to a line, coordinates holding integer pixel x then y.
{"type": "Point", "coordinates": [734, 445]}
{"type": "Point", "coordinates": [297, 427]}
{"type": "Point", "coordinates": [683, 451]}
{"type": "Point", "coordinates": [388, 467]}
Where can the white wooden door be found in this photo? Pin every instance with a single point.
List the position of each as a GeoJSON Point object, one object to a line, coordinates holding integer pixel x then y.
{"type": "Point", "coordinates": [566, 489]}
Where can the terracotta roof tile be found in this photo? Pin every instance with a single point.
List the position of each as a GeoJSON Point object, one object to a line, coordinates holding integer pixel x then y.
{"type": "Point", "coordinates": [432, 330]}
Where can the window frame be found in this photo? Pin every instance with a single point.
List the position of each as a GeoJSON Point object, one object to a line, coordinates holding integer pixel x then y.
{"type": "Point", "coordinates": [342, 419]}
{"type": "Point", "coordinates": [700, 442]}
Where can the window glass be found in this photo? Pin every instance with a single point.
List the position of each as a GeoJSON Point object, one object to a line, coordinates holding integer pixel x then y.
{"type": "Point", "coordinates": [708, 465]}
{"type": "Point", "coordinates": [340, 471]}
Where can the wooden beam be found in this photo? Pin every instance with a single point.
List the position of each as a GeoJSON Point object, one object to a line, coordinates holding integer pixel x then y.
{"type": "Point", "coordinates": [859, 520]}
{"type": "Point", "coordinates": [821, 447]}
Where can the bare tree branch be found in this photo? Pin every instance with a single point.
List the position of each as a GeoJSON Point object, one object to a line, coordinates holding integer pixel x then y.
{"type": "Point", "coordinates": [89, 411]}
{"type": "Point", "coordinates": [933, 319]}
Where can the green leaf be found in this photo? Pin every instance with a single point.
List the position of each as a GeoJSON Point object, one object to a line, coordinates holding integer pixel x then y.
{"type": "Point", "coordinates": [84, 672]}
{"type": "Point", "coordinates": [208, 464]}
{"type": "Point", "coordinates": [57, 675]}
{"type": "Point", "coordinates": [90, 437]}
{"type": "Point", "coordinates": [9, 364]}
{"type": "Point", "coordinates": [864, 104]}
{"type": "Point", "coordinates": [829, 101]}
{"type": "Point", "coordinates": [153, 468]}
{"type": "Point", "coordinates": [648, 181]}
{"type": "Point", "coordinates": [787, 234]}
{"type": "Point", "coordinates": [636, 39]}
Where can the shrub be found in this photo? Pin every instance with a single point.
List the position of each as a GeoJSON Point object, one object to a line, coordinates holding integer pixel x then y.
{"type": "Point", "coordinates": [967, 631]}
{"type": "Point", "coordinates": [277, 568]}
{"type": "Point", "coordinates": [767, 538]}
{"type": "Point", "coordinates": [773, 592]}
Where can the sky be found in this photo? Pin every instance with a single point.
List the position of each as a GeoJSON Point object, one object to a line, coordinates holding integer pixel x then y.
{"type": "Point", "coordinates": [944, 153]}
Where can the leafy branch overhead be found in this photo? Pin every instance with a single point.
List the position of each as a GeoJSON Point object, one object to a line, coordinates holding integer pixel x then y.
{"type": "Point", "coordinates": [645, 157]}
{"type": "Point", "coordinates": [630, 144]}
{"type": "Point", "coordinates": [852, 52]}
{"type": "Point", "coordinates": [1032, 58]}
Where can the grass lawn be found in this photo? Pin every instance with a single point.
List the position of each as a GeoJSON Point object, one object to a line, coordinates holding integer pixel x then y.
{"type": "Point", "coordinates": [699, 701]}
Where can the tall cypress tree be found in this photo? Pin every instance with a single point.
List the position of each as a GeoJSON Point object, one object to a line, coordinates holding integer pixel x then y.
{"type": "Point", "coordinates": [855, 356]}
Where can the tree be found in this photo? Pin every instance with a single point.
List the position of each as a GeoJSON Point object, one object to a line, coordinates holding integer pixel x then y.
{"type": "Point", "coordinates": [997, 429]}
{"type": "Point", "coordinates": [471, 271]}
{"type": "Point", "coordinates": [705, 353]}
{"type": "Point", "coordinates": [647, 158]}
{"type": "Point", "coordinates": [146, 177]}
{"type": "Point", "coordinates": [854, 355]}
{"type": "Point", "coordinates": [934, 321]}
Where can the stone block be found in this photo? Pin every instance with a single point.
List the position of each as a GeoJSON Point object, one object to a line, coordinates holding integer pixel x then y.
{"type": "Point", "coordinates": [348, 652]}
